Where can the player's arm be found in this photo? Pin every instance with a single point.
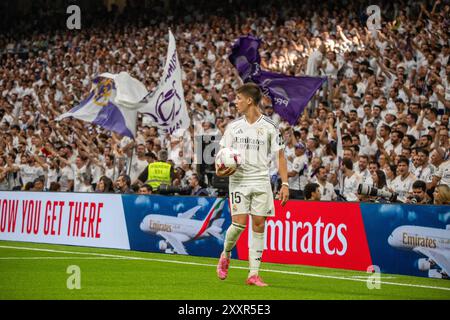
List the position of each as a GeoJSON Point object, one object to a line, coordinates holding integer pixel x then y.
{"type": "Point", "coordinates": [224, 172]}
{"type": "Point", "coordinates": [282, 170]}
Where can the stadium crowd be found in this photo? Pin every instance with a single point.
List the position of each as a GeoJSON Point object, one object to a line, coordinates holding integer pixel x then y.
{"type": "Point", "coordinates": [389, 89]}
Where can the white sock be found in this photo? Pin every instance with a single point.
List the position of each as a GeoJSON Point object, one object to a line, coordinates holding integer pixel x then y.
{"type": "Point", "coordinates": [255, 252]}
{"type": "Point", "coordinates": [231, 237]}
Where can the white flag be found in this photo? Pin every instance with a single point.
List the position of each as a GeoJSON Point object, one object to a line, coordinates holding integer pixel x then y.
{"type": "Point", "coordinates": [166, 106]}
{"type": "Point", "coordinates": [130, 91]}
{"type": "Point", "coordinates": [101, 108]}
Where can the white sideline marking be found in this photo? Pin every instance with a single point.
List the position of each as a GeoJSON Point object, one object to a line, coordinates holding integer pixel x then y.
{"type": "Point", "coordinates": [60, 258]}
{"type": "Point", "coordinates": [232, 267]}
{"type": "Point", "coordinates": [365, 277]}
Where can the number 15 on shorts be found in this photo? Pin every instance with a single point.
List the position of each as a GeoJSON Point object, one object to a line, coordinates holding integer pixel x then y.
{"type": "Point", "coordinates": [236, 201]}
{"type": "Point", "coordinates": [235, 197]}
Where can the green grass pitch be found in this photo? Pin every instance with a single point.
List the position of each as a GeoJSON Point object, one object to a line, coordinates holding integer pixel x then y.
{"type": "Point", "coordinates": [39, 271]}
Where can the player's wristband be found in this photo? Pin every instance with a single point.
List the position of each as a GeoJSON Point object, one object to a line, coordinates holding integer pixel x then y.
{"type": "Point", "coordinates": [285, 184]}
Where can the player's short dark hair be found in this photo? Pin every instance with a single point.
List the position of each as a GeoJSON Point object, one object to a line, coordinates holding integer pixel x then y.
{"type": "Point", "coordinates": [252, 91]}
{"type": "Point", "coordinates": [309, 189]}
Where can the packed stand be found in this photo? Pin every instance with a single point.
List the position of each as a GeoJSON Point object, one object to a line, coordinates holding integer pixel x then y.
{"type": "Point", "coordinates": [388, 88]}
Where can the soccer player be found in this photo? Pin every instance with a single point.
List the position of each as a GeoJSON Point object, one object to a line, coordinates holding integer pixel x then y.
{"type": "Point", "coordinates": [257, 138]}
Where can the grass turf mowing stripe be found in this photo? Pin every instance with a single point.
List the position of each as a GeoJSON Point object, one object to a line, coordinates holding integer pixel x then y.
{"type": "Point", "coordinates": [231, 267]}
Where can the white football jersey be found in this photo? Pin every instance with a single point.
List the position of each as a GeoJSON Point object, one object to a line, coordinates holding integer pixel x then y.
{"type": "Point", "coordinates": [256, 143]}
{"type": "Point", "coordinates": [403, 186]}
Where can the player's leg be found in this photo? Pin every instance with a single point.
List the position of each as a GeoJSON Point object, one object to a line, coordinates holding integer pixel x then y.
{"type": "Point", "coordinates": [256, 250]}
{"type": "Point", "coordinates": [239, 207]}
{"type": "Point", "coordinates": [262, 207]}
{"type": "Point", "coordinates": [234, 231]}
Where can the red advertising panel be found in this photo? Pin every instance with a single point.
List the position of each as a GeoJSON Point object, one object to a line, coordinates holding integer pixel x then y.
{"type": "Point", "coordinates": [326, 234]}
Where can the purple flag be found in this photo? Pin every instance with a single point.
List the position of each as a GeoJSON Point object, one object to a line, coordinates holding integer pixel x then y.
{"type": "Point", "coordinates": [289, 94]}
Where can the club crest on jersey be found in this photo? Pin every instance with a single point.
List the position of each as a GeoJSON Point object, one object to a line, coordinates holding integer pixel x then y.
{"type": "Point", "coordinates": [234, 207]}
{"type": "Point", "coordinates": [259, 131]}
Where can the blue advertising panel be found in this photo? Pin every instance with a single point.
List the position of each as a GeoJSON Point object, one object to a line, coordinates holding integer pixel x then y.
{"type": "Point", "coordinates": [409, 239]}
{"type": "Point", "coordinates": [177, 224]}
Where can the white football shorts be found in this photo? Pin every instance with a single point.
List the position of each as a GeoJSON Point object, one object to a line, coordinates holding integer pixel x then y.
{"type": "Point", "coordinates": [252, 199]}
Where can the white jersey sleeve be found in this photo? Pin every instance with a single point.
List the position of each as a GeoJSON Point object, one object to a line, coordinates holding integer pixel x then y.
{"type": "Point", "coordinates": [227, 139]}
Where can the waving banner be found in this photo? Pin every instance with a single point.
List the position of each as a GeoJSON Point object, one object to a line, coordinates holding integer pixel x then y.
{"type": "Point", "coordinates": [101, 108]}
{"type": "Point", "coordinates": [166, 105]}
{"type": "Point", "coordinates": [289, 94]}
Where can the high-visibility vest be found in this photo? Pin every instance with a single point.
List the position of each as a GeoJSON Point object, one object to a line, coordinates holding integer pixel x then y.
{"type": "Point", "coordinates": [158, 172]}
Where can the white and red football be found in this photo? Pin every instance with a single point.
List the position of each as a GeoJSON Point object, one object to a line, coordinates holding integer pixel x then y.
{"type": "Point", "coordinates": [228, 158]}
